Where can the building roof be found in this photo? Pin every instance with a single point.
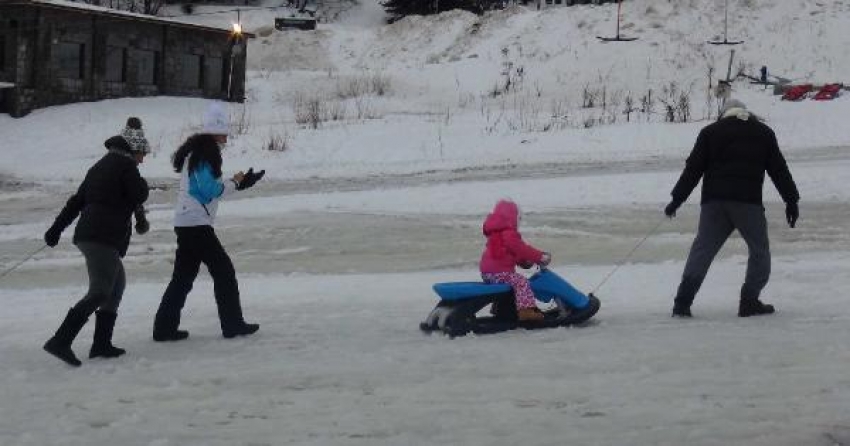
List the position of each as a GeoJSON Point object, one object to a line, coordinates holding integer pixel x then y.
{"type": "Point", "coordinates": [92, 9]}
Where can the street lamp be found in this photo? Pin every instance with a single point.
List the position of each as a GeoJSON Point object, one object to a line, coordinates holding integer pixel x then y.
{"type": "Point", "coordinates": [237, 42]}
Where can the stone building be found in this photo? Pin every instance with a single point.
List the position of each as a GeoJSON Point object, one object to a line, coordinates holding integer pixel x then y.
{"type": "Point", "coordinates": [57, 52]}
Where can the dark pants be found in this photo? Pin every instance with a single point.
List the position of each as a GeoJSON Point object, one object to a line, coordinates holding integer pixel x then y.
{"type": "Point", "coordinates": [106, 279]}
{"type": "Point", "coordinates": [716, 222]}
{"type": "Point", "coordinates": [196, 245]}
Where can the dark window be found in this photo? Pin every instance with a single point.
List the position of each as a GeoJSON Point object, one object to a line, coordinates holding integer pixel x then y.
{"type": "Point", "coordinates": [192, 72]}
{"type": "Point", "coordinates": [213, 77]}
{"type": "Point", "coordinates": [69, 60]}
{"type": "Point", "coordinates": [116, 64]}
{"type": "Point", "coordinates": [2, 54]}
{"type": "Point", "coordinates": [147, 67]}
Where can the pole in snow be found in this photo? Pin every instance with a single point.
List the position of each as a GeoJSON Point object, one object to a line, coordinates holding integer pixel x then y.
{"type": "Point", "coordinates": [617, 37]}
{"type": "Point", "coordinates": [726, 40]}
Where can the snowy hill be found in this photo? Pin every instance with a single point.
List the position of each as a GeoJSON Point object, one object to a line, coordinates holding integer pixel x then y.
{"type": "Point", "coordinates": [445, 71]}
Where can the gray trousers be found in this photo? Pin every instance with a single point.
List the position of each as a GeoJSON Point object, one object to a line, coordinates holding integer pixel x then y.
{"type": "Point", "coordinates": [717, 220]}
{"type": "Point", "coordinates": [106, 278]}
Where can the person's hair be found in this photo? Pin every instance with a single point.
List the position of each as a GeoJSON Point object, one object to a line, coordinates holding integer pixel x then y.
{"type": "Point", "coordinates": [134, 123]}
{"type": "Point", "coordinates": [200, 148]}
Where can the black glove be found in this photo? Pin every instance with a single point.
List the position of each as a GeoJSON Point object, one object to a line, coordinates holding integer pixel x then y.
{"type": "Point", "coordinates": [142, 225]}
{"type": "Point", "coordinates": [792, 213]}
{"type": "Point", "coordinates": [670, 210]}
{"type": "Point", "coordinates": [526, 265]}
{"type": "Point", "coordinates": [51, 237]}
{"type": "Point", "coordinates": [250, 179]}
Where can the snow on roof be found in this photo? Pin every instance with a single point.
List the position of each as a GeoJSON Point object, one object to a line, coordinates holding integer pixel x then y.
{"type": "Point", "coordinates": [67, 4]}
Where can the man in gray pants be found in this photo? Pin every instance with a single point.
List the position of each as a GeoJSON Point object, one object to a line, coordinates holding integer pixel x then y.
{"type": "Point", "coordinates": [731, 157]}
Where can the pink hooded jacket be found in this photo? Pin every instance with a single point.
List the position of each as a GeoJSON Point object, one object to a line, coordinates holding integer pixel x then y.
{"type": "Point", "coordinates": [505, 248]}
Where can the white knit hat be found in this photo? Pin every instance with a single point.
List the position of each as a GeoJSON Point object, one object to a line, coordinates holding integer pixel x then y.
{"type": "Point", "coordinates": [216, 120]}
{"type": "Point", "coordinates": [732, 103]}
{"type": "Point", "coordinates": [734, 107]}
{"type": "Point", "coordinates": [136, 139]}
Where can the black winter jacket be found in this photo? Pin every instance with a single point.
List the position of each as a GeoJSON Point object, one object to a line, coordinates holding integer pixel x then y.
{"type": "Point", "coordinates": [731, 156]}
{"type": "Point", "coordinates": [112, 189]}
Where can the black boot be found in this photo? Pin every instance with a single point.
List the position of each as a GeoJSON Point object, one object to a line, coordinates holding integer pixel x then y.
{"type": "Point", "coordinates": [102, 345]}
{"type": "Point", "coordinates": [681, 311]}
{"type": "Point", "coordinates": [242, 329]}
{"type": "Point", "coordinates": [176, 335]}
{"type": "Point", "coordinates": [685, 297]}
{"type": "Point", "coordinates": [60, 344]}
{"type": "Point", "coordinates": [753, 307]}
{"type": "Point", "coordinates": [165, 328]}
{"type": "Point", "coordinates": [230, 316]}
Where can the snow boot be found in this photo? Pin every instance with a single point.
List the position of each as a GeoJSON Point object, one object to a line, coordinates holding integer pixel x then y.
{"type": "Point", "coordinates": [60, 344]}
{"type": "Point", "coordinates": [681, 311]}
{"type": "Point", "coordinates": [754, 307]}
{"type": "Point", "coordinates": [685, 296]}
{"type": "Point", "coordinates": [530, 314]}
{"type": "Point", "coordinates": [230, 315]}
{"type": "Point", "coordinates": [242, 329]}
{"type": "Point", "coordinates": [165, 328]}
{"type": "Point", "coordinates": [102, 346]}
{"type": "Point", "coordinates": [176, 335]}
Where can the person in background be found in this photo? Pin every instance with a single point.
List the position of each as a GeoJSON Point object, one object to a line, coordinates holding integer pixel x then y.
{"type": "Point", "coordinates": [731, 157]}
{"type": "Point", "coordinates": [505, 250]}
{"type": "Point", "coordinates": [202, 186]}
{"type": "Point", "coordinates": [111, 191]}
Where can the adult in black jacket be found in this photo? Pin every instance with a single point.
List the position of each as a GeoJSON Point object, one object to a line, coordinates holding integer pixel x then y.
{"type": "Point", "coordinates": [731, 156]}
{"type": "Point", "coordinates": [110, 193]}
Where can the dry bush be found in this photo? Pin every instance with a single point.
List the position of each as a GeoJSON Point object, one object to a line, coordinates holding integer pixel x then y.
{"type": "Point", "coordinates": [240, 120]}
{"type": "Point", "coordinates": [357, 86]}
{"type": "Point", "coordinates": [365, 109]}
{"type": "Point", "coordinates": [350, 87]}
{"type": "Point", "coordinates": [336, 111]}
{"type": "Point", "coordinates": [380, 84]}
{"type": "Point", "coordinates": [309, 110]}
{"type": "Point", "coordinates": [277, 142]}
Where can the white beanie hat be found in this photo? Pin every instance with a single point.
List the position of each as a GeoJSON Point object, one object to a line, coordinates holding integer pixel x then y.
{"type": "Point", "coordinates": [135, 136]}
{"type": "Point", "coordinates": [732, 103]}
{"type": "Point", "coordinates": [734, 107]}
{"type": "Point", "coordinates": [216, 120]}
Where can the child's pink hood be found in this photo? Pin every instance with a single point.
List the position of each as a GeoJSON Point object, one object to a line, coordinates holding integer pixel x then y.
{"type": "Point", "coordinates": [504, 216]}
{"type": "Point", "coordinates": [505, 247]}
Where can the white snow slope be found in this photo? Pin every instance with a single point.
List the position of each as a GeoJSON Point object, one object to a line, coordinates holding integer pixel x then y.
{"type": "Point", "coordinates": [421, 142]}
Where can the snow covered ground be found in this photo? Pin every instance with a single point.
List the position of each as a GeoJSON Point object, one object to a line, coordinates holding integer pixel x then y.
{"type": "Point", "coordinates": [337, 249]}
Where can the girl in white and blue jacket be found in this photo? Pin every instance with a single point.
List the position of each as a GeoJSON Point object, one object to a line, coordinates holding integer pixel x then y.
{"type": "Point", "coordinates": [199, 162]}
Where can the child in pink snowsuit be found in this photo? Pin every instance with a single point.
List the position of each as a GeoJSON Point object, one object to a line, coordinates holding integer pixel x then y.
{"type": "Point", "coordinates": [505, 250]}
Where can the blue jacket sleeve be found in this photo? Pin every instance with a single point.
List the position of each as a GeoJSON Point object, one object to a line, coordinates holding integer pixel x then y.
{"type": "Point", "coordinates": [203, 186]}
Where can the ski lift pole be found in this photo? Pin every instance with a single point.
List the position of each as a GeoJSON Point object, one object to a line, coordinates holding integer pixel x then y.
{"type": "Point", "coordinates": [729, 69]}
{"type": "Point", "coordinates": [15, 266]}
{"type": "Point", "coordinates": [619, 7]}
{"type": "Point", "coordinates": [617, 37]}
{"type": "Point", "coordinates": [626, 258]}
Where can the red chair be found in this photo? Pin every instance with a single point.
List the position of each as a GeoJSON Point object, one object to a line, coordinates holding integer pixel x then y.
{"type": "Point", "coordinates": [828, 92]}
{"type": "Point", "coordinates": [797, 92]}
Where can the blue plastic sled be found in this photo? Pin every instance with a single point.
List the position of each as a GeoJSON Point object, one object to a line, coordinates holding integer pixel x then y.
{"type": "Point", "coordinates": [455, 314]}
